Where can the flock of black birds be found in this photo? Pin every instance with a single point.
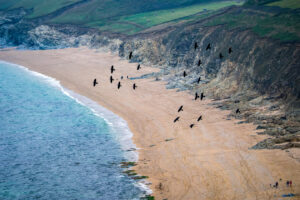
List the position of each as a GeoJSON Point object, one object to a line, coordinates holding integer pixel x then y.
{"type": "Point", "coordinates": [201, 97]}
{"type": "Point", "coordinates": [111, 79]}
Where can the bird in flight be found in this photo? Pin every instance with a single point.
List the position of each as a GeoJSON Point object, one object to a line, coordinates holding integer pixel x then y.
{"type": "Point", "coordinates": [229, 50]}
{"type": "Point", "coordinates": [202, 96]}
{"type": "Point", "coordinates": [196, 96]}
{"type": "Point", "coordinates": [221, 56]}
{"type": "Point", "coordinates": [199, 118]}
{"type": "Point", "coordinates": [130, 55]}
{"type": "Point", "coordinates": [111, 79]}
{"type": "Point", "coordinates": [112, 69]}
{"type": "Point", "coordinates": [196, 45]}
{"type": "Point", "coordinates": [176, 119]}
{"type": "Point", "coordinates": [119, 85]}
{"type": "Point", "coordinates": [199, 62]}
{"type": "Point", "coordinates": [134, 86]}
{"type": "Point", "coordinates": [199, 79]}
{"type": "Point", "coordinates": [95, 82]}
{"type": "Point", "coordinates": [208, 46]}
{"type": "Point", "coordinates": [180, 109]}
{"type": "Point", "coordinates": [192, 125]}
{"type": "Point", "coordinates": [238, 111]}
{"type": "Point", "coordinates": [184, 74]}
{"type": "Point", "coordinates": [138, 67]}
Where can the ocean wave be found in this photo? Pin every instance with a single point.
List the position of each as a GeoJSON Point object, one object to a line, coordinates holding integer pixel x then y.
{"type": "Point", "coordinates": [119, 126]}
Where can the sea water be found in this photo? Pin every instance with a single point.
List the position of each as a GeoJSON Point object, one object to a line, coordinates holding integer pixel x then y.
{"type": "Point", "coordinates": [56, 144]}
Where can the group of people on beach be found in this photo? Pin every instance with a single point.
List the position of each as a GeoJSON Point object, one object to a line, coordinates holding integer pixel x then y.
{"type": "Point", "coordinates": [288, 184]}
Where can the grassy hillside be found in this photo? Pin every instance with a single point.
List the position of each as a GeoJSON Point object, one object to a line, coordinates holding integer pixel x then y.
{"type": "Point", "coordinates": [133, 23]}
{"type": "Point", "coordinates": [39, 7]}
{"type": "Point", "coordinates": [142, 13]}
{"type": "Point", "coordinates": [133, 16]}
{"type": "Point", "coordinates": [125, 16]}
{"type": "Point", "coordinates": [149, 19]}
{"type": "Point", "coordinates": [279, 24]}
{"type": "Point", "coordinates": [293, 4]}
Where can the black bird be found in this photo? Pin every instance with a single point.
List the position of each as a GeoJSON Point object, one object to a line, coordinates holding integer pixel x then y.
{"type": "Point", "coordinates": [192, 125]}
{"type": "Point", "coordinates": [138, 67]}
{"type": "Point", "coordinates": [134, 86]}
{"type": "Point", "coordinates": [180, 109]}
{"type": "Point", "coordinates": [199, 62]}
{"type": "Point", "coordinates": [196, 45]}
{"type": "Point", "coordinates": [238, 111]}
{"type": "Point", "coordinates": [199, 118]}
{"type": "Point", "coordinates": [95, 82]}
{"type": "Point", "coordinates": [176, 119]}
{"type": "Point", "coordinates": [111, 79]}
{"type": "Point", "coordinates": [229, 50]}
{"type": "Point", "coordinates": [184, 74]}
{"type": "Point", "coordinates": [112, 69]}
{"type": "Point", "coordinates": [119, 85]}
{"type": "Point", "coordinates": [208, 46]}
{"type": "Point", "coordinates": [202, 96]}
{"type": "Point", "coordinates": [130, 55]}
{"type": "Point", "coordinates": [199, 79]}
{"type": "Point", "coordinates": [196, 96]}
{"type": "Point", "coordinates": [221, 56]}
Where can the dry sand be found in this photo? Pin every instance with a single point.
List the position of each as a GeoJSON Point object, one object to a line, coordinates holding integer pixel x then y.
{"type": "Point", "coordinates": [210, 161]}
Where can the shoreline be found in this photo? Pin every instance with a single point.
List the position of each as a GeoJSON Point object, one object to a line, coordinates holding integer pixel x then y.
{"type": "Point", "coordinates": [212, 160]}
{"type": "Point", "coordinates": [116, 123]}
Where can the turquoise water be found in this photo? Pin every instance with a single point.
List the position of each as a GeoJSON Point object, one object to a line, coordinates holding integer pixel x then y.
{"type": "Point", "coordinates": [53, 147]}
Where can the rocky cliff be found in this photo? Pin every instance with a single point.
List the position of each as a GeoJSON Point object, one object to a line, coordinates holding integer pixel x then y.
{"type": "Point", "coordinates": [260, 77]}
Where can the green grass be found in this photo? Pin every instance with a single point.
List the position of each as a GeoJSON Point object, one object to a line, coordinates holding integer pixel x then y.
{"type": "Point", "coordinates": [283, 26]}
{"type": "Point", "coordinates": [293, 4]}
{"type": "Point", "coordinates": [40, 7]}
{"type": "Point", "coordinates": [112, 10]}
{"type": "Point", "coordinates": [149, 19]}
{"type": "Point", "coordinates": [120, 16]}
{"type": "Point", "coordinates": [130, 24]}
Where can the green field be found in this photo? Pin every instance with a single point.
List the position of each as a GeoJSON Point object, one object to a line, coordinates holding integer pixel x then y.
{"type": "Point", "coordinates": [120, 16]}
{"type": "Point", "coordinates": [40, 7]}
{"type": "Point", "coordinates": [132, 16]}
{"type": "Point", "coordinates": [149, 19]}
{"type": "Point", "coordinates": [111, 10]}
{"type": "Point", "coordinates": [284, 26]}
{"type": "Point", "coordinates": [293, 4]}
{"type": "Point", "coordinates": [133, 19]}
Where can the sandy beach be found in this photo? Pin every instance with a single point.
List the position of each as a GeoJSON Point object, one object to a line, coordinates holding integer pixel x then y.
{"type": "Point", "coordinates": [210, 161]}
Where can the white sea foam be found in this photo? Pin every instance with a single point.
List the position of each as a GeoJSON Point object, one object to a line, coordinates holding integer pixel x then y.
{"type": "Point", "coordinates": [118, 125]}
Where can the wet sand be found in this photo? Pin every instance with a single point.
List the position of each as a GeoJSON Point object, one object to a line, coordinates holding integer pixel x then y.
{"type": "Point", "coordinates": [210, 161]}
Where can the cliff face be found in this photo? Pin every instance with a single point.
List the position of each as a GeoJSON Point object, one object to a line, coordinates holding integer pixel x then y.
{"type": "Point", "coordinates": [260, 76]}
{"type": "Point", "coordinates": [15, 30]}
{"type": "Point", "coordinates": [267, 66]}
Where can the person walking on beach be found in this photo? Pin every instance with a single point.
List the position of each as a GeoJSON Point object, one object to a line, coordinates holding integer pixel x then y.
{"type": "Point", "coordinates": [287, 183]}
{"type": "Point", "coordinates": [290, 183]}
{"type": "Point", "coordinates": [276, 184]}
